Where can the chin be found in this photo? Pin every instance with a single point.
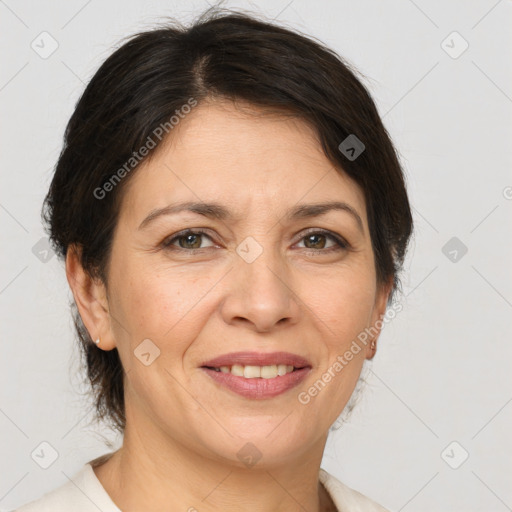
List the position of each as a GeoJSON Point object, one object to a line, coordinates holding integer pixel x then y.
{"type": "Point", "coordinates": [260, 441]}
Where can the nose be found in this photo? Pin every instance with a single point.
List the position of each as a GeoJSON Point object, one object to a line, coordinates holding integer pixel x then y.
{"type": "Point", "coordinates": [261, 294]}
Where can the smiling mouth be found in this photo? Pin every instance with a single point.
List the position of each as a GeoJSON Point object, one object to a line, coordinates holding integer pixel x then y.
{"type": "Point", "coordinates": [256, 382]}
{"type": "Point", "coordinates": [255, 372]}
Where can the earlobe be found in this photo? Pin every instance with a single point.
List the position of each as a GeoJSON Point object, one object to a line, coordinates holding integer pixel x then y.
{"type": "Point", "coordinates": [377, 317]}
{"type": "Point", "coordinates": [91, 299]}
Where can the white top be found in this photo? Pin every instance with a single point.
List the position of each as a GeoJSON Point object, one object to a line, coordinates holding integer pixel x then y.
{"type": "Point", "coordinates": [86, 494]}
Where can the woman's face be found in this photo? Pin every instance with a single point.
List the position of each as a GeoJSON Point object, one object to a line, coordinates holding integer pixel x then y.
{"type": "Point", "coordinates": [257, 280]}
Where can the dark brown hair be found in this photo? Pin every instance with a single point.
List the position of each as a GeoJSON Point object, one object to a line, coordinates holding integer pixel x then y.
{"type": "Point", "coordinates": [226, 54]}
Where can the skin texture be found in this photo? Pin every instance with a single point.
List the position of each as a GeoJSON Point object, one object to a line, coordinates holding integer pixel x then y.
{"type": "Point", "coordinates": [183, 430]}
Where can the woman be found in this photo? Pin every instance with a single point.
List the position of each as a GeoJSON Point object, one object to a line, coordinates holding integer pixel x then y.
{"type": "Point", "coordinates": [233, 218]}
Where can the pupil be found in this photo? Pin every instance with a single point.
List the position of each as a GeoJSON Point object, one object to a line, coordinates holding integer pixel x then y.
{"type": "Point", "coordinates": [313, 237]}
{"type": "Point", "coordinates": [189, 237]}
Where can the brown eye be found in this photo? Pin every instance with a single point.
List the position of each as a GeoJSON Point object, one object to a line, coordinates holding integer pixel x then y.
{"type": "Point", "coordinates": [190, 241]}
{"type": "Point", "coordinates": [187, 240]}
{"type": "Point", "coordinates": [317, 240]}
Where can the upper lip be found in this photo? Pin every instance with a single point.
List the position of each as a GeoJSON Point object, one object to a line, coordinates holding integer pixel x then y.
{"type": "Point", "coordinates": [258, 359]}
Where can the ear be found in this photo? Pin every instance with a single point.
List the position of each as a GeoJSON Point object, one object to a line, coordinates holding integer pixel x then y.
{"type": "Point", "coordinates": [378, 313]}
{"type": "Point", "coordinates": [91, 299]}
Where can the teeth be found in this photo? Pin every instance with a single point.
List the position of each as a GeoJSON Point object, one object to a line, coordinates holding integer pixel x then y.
{"type": "Point", "coordinates": [237, 370]}
{"type": "Point", "coordinates": [253, 372]}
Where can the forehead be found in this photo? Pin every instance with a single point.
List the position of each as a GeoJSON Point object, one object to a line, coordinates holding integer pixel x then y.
{"type": "Point", "coordinates": [252, 162]}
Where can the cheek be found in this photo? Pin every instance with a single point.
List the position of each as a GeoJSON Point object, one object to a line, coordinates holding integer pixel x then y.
{"type": "Point", "coordinates": [342, 312]}
{"type": "Point", "coordinates": [163, 305]}
{"type": "Point", "coordinates": [343, 304]}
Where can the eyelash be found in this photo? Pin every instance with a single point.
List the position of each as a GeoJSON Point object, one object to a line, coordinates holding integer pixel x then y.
{"type": "Point", "coordinates": [341, 244]}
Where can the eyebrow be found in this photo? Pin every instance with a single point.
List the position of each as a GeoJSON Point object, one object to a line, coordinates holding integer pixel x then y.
{"type": "Point", "coordinates": [219, 212]}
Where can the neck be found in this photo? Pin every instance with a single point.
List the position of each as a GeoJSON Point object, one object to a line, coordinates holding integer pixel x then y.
{"type": "Point", "coordinates": [156, 473]}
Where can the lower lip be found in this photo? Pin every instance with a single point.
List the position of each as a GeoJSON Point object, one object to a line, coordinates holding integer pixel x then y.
{"type": "Point", "coordinates": [259, 388]}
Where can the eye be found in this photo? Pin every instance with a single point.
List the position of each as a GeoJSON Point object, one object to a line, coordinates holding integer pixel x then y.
{"type": "Point", "coordinates": [188, 239]}
{"type": "Point", "coordinates": [316, 239]}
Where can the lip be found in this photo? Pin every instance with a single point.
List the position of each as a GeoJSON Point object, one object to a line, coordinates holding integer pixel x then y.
{"type": "Point", "coordinates": [258, 388]}
{"type": "Point", "coordinates": [258, 359]}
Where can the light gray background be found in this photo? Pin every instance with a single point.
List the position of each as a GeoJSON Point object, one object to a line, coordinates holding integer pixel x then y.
{"type": "Point", "coordinates": [442, 371]}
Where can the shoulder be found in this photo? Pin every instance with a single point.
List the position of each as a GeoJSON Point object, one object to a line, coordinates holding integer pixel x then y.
{"type": "Point", "coordinates": [346, 498]}
{"type": "Point", "coordinates": [82, 493]}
